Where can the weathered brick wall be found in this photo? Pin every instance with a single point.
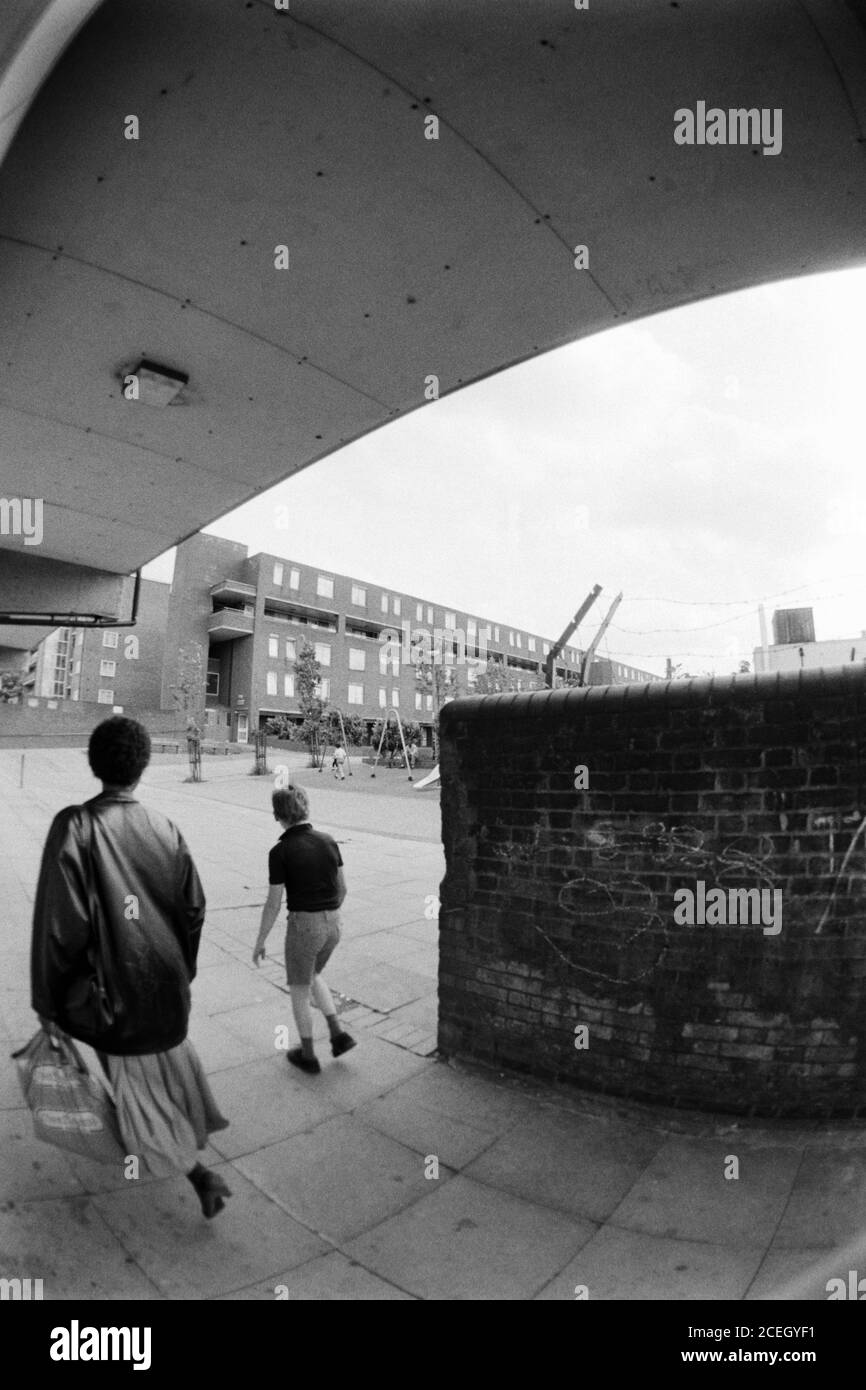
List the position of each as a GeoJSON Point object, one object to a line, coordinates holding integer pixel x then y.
{"type": "Point", "coordinates": [557, 908]}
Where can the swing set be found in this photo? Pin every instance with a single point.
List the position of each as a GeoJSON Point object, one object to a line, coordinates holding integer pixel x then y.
{"type": "Point", "coordinates": [324, 746]}
{"type": "Point", "coordinates": [392, 709]}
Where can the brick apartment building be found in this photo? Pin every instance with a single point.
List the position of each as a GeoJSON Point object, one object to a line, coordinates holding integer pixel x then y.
{"type": "Point", "coordinates": [240, 620]}
{"type": "Point", "coordinates": [105, 666]}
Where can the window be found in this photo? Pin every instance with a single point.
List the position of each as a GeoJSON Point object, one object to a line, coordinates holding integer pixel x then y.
{"type": "Point", "coordinates": [417, 699]}
{"type": "Point", "coordinates": [288, 687]}
{"type": "Point", "coordinates": [531, 643]}
{"type": "Point", "coordinates": [511, 639]}
{"type": "Point", "coordinates": [395, 698]}
{"type": "Point", "coordinates": [290, 649]}
{"type": "Point", "coordinates": [324, 586]}
{"type": "Point", "coordinates": [323, 653]}
{"type": "Point", "coordinates": [384, 603]}
{"type": "Point", "coordinates": [294, 579]}
{"type": "Point", "coordinates": [323, 689]}
{"type": "Point", "coordinates": [272, 683]}
{"type": "Point", "coordinates": [419, 612]}
{"type": "Point", "coordinates": [396, 608]}
{"type": "Point", "coordinates": [471, 627]}
{"type": "Point", "coordinates": [105, 697]}
{"type": "Point", "coordinates": [109, 639]}
{"type": "Point", "coordinates": [389, 657]}
{"type": "Point", "coordinates": [107, 668]}
{"type": "Point", "coordinates": [383, 698]}
{"type": "Point", "coordinates": [430, 615]}
{"type": "Point", "coordinates": [212, 683]}
{"type": "Point", "coordinates": [496, 634]}
{"type": "Point", "coordinates": [273, 646]}
{"type": "Point", "coordinates": [356, 694]}
{"type": "Point", "coordinates": [546, 649]}
{"type": "Point", "coordinates": [359, 596]}
{"type": "Point", "coordinates": [429, 702]}
{"type": "Point", "coordinates": [451, 620]}
{"type": "Point", "coordinates": [278, 576]}
{"type": "Point", "coordinates": [357, 659]}
{"type": "Point", "coordinates": [518, 639]}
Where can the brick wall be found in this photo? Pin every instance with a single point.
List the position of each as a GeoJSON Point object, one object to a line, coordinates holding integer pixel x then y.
{"type": "Point", "coordinates": [558, 904]}
{"type": "Point", "coordinates": [70, 723]}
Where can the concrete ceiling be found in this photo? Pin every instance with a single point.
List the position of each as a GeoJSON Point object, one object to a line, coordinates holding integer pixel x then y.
{"type": "Point", "coordinates": [408, 256]}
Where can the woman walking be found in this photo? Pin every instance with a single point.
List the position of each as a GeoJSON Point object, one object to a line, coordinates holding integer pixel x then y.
{"type": "Point", "coordinates": [116, 926]}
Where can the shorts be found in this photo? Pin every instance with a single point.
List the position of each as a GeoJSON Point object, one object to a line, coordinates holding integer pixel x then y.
{"type": "Point", "coordinates": [310, 941]}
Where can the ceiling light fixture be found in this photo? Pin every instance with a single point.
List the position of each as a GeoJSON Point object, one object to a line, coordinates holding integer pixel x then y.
{"type": "Point", "coordinates": [151, 384]}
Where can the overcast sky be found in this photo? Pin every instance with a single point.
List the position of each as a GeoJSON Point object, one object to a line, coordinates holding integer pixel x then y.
{"type": "Point", "coordinates": [701, 461]}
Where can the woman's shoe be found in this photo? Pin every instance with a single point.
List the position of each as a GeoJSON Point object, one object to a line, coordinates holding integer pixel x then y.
{"type": "Point", "coordinates": [343, 1042]}
{"type": "Point", "coordinates": [211, 1189]}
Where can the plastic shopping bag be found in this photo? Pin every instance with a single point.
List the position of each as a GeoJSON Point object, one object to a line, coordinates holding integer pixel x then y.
{"type": "Point", "coordinates": [70, 1107]}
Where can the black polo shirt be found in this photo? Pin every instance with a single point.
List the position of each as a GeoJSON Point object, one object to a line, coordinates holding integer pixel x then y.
{"type": "Point", "coordinates": [306, 861]}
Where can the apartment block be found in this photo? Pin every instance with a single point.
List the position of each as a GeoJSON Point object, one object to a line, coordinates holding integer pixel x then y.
{"type": "Point", "coordinates": [231, 625]}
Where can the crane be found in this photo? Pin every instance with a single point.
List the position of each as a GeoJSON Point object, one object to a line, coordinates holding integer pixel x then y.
{"type": "Point", "coordinates": [550, 659]}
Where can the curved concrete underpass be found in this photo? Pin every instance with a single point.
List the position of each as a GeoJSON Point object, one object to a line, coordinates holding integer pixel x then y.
{"type": "Point", "coordinates": [407, 256]}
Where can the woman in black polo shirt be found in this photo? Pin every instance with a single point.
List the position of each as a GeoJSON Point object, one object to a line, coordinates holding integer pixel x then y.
{"type": "Point", "coordinates": [308, 865]}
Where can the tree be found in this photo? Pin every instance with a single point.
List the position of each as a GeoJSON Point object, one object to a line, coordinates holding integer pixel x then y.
{"type": "Point", "coordinates": [11, 685]}
{"type": "Point", "coordinates": [437, 675]}
{"type": "Point", "coordinates": [282, 726]}
{"type": "Point", "coordinates": [188, 691]}
{"type": "Point", "coordinates": [354, 725]}
{"type": "Point", "coordinates": [311, 704]}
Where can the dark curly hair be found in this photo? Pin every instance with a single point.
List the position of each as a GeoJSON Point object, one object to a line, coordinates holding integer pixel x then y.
{"type": "Point", "coordinates": [119, 751]}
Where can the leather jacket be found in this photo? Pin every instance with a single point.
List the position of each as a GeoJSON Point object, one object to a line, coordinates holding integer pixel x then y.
{"type": "Point", "coordinates": [120, 860]}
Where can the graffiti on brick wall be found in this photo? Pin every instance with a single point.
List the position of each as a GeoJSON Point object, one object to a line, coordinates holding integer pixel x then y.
{"type": "Point", "coordinates": [616, 908]}
{"type": "Point", "coordinates": [842, 878]}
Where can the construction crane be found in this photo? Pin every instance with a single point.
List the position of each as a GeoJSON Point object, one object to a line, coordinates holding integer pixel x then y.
{"type": "Point", "coordinates": [550, 660]}
{"type": "Point", "coordinates": [591, 649]}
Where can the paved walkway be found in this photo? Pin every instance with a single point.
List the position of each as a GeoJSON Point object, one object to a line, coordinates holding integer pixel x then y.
{"type": "Point", "coordinates": [539, 1192]}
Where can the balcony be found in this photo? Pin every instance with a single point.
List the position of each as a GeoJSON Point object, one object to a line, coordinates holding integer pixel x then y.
{"type": "Point", "coordinates": [288, 610]}
{"type": "Point", "coordinates": [227, 624]}
{"type": "Point", "coordinates": [233, 589]}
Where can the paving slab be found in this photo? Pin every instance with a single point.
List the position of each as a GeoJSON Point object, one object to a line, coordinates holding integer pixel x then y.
{"type": "Point", "coordinates": [466, 1241]}
{"type": "Point", "coordinates": [428, 1132]}
{"type": "Point", "coordinates": [827, 1204]}
{"type": "Point", "coordinates": [799, 1275]}
{"type": "Point", "coordinates": [477, 1101]}
{"type": "Point", "coordinates": [742, 1211]}
{"type": "Point", "coordinates": [577, 1164]}
{"type": "Point", "coordinates": [634, 1266]}
{"type": "Point", "coordinates": [31, 1168]}
{"type": "Point", "coordinates": [340, 1178]}
{"type": "Point", "coordinates": [267, 1102]}
{"type": "Point", "coordinates": [67, 1244]}
{"type": "Point", "coordinates": [186, 1257]}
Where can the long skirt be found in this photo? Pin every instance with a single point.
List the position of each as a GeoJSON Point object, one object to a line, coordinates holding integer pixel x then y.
{"type": "Point", "coordinates": [165, 1107]}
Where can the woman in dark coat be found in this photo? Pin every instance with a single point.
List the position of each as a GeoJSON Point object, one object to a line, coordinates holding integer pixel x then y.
{"type": "Point", "coordinates": [116, 926]}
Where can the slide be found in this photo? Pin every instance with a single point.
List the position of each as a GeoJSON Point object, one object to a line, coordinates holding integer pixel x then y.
{"type": "Point", "coordinates": [429, 780]}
